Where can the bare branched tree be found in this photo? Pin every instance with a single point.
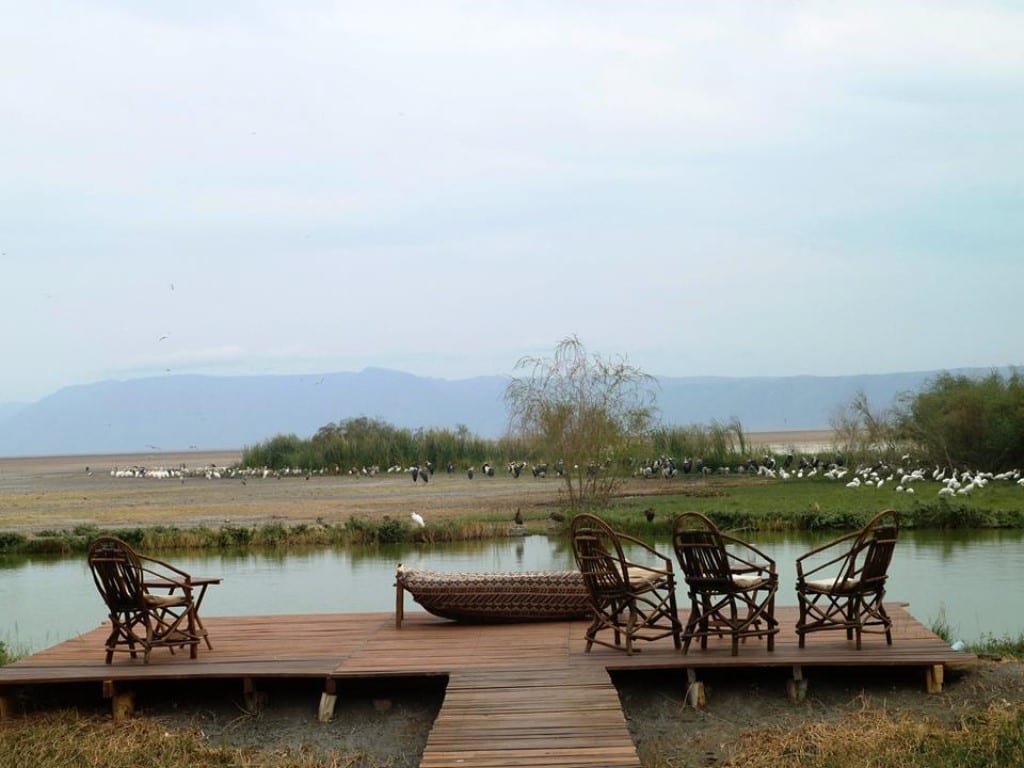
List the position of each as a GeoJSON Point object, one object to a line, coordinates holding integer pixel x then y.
{"type": "Point", "coordinates": [586, 412]}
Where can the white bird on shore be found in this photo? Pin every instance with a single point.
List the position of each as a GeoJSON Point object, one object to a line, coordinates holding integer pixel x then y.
{"type": "Point", "coordinates": [418, 519]}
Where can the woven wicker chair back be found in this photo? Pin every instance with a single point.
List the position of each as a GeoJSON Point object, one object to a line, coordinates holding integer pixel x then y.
{"type": "Point", "coordinates": [700, 549]}
{"type": "Point", "coordinates": [117, 571]}
{"type": "Point", "coordinates": [599, 556]}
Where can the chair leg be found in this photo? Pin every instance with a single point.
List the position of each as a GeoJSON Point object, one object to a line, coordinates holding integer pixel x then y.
{"type": "Point", "coordinates": [592, 632]}
{"type": "Point", "coordinates": [887, 623]}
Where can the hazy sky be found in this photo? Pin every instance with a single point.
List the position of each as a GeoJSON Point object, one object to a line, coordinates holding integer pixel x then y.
{"type": "Point", "coordinates": [442, 188]}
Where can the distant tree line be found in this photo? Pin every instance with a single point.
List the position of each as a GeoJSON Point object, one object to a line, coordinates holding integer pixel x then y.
{"type": "Point", "coordinates": [352, 444]}
{"type": "Point", "coordinates": [955, 422]}
{"type": "Point", "coordinates": [590, 420]}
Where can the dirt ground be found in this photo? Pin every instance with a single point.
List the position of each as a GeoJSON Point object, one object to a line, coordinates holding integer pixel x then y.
{"type": "Point", "coordinates": [61, 492]}
{"type": "Point", "coordinates": [389, 726]}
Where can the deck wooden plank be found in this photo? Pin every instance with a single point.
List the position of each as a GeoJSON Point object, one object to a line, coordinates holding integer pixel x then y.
{"type": "Point", "coordinates": [517, 694]}
{"type": "Point", "coordinates": [526, 716]}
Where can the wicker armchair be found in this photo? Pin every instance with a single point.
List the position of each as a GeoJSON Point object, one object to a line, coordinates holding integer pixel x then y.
{"type": "Point", "coordinates": [140, 619]}
{"type": "Point", "coordinates": [841, 584]}
{"type": "Point", "coordinates": [635, 601]}
{"type": "Point", "coordinates": [732, 584]}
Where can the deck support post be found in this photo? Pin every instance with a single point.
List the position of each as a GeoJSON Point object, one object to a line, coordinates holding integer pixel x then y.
{"type": "Point", "coordinates": [696, 696]}
{"type": "Point", "coordinates": [933, 678]}
{"type": "Point", "coordinates": [6, 706]}
{"type": "Point", "coordinates": [122, 702]}
{"type": "Point", "coordinates": [399, 598]}
{"type": "Point", "coordinates": [327, 701]}
{"type": "Point", "coordinates": [796, 687]}
{"type": "Point", "coordinates": [254, 700]}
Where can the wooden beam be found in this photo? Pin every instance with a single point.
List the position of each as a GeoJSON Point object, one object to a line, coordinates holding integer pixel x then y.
{"type": "Point", "coordinates": [399, 599]}
{"type": "Point", "coordinates": [326, 711]}
{"type": "Point", "coordinates": [796, 687]}
{"type": "Point", "coordinates": [122, 702]}
{"type": "Point", "coordinates": [695, 696]}
{"type": "Point", "coordinates": [327, 700]}
{"type": "Point", "coordinates": [254, 699]}
{"type": "Point", "coordinates": [933, 678]}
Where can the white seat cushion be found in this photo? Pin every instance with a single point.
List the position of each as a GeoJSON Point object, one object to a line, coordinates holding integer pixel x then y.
{"type": "Point", "coordinates": [165, 601]}
{"type": "Point", "coordinates": [640, 576]}
{"type": "Point", "coordinates": [827, 585]}
{"type": "Point", "coordinates": [748, 580]}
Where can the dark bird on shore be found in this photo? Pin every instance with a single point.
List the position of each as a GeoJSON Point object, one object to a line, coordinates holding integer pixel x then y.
{"type": "Point", "coordinates": [519, 516]}
{"type": "Point", "coordinates": [415, 473]}
{"type": "Point", "coordinates": [649, 514]}
{"type": "Point", "coordinates": [469, 473]}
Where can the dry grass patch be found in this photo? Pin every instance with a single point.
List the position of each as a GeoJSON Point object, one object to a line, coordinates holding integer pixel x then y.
{"type": "Point", "coordinates": [68, 738]}
{"type": "Point", "coordinates": [878, 738]}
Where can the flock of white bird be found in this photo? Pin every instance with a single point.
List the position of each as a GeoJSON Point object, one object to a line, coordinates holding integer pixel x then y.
{"type": "Point", "coordinates": [902, 480]}
{"type": "Point", "coordinates": [210, 472]}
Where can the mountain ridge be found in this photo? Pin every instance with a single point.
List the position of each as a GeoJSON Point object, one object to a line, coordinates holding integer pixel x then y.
{"type": "Point", "coordinates": [189, 411]}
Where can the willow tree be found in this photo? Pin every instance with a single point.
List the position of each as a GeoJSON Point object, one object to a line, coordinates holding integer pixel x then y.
{"type": "Point", "coordinates": [585, 413]}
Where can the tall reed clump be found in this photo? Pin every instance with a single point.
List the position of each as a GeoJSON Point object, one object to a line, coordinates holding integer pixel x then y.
{"type": "Point", "coordinates": [387, 530]}
{"type": "Point", "coordinates": [354, 444]}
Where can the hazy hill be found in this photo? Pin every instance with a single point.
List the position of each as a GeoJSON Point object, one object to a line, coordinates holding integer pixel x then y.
{"type": "Point", "coordinates": [211, 412]}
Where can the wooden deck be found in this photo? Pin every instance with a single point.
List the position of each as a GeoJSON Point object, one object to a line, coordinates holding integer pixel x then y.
{"type": "Point", "coordinates": [518, 694]}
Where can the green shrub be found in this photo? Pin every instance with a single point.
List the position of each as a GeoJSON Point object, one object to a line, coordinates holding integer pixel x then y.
{"type": "Point", "coordinates": [11, 542]}
{"type": "Point", "coordinates": [234, 536]}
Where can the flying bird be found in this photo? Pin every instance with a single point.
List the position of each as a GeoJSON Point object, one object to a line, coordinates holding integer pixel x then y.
{"type": "Point", "coordinates": [417, 519]}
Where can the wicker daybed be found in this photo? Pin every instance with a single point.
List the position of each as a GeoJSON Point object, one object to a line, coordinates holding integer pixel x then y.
{"type": "Point", "coordinates": [494, 597]}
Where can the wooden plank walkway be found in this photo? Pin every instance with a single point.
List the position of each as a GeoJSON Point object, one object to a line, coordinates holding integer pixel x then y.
{"type": "Point", "coordinates": [530, 717]}
{"type": "Point", "coordinates": [518, 694]}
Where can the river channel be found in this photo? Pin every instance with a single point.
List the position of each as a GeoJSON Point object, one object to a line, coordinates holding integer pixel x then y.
{"type": "Point", "coordinates": [969, 579]}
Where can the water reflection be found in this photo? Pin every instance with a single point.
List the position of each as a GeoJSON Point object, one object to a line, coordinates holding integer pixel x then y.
{"type": "Point", "coordinates": [969, 577]}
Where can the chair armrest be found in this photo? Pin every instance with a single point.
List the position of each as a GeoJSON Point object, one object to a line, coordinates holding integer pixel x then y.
{"type": "Point", "coordinates": [833, 552]}
{"type": "Point", "coordinates": [744, 557]}
{"type": "Point", "coordinates": [647, 548]}
{"type": "Point", "coordinates": [169, 576]}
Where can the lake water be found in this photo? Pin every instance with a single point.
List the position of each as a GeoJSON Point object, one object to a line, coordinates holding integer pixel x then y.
{"type": "Point", "coordinates": [971, 578]}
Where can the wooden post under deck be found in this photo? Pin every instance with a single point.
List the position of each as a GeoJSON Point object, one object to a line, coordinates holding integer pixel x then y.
{"type": "Point", "coordinates": [933, 678]}
{"type": "Point", "coordinates": [399, 601]}
{"type": "Point", "coordinates": [796, 687]}
{"type": "Point", "coordinates": [327, 701]}
{"type": "Point", "coordinates": [254, 699]}
{"type": "Point", "coordinates": [122, 702]}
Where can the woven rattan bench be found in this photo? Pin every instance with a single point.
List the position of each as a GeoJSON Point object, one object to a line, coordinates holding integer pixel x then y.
{"type": "Point", "coordinates": [494, 597]}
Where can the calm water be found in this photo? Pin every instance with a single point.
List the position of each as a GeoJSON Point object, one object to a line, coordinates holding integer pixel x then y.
{"type": "Point", "coordinates": [971, 578]}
